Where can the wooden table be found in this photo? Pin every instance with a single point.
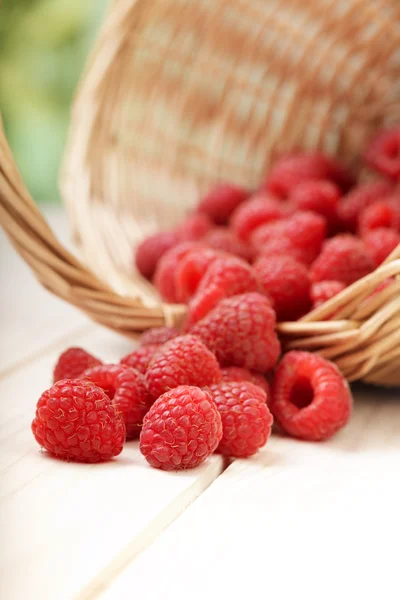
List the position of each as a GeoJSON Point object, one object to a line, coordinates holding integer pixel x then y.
{"type": "Point", "coordinates": [298, 520]}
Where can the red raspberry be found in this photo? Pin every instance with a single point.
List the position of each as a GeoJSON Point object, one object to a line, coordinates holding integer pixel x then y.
{"type": "Point", "coordinates": [343, 258]}
{"type": "Point", "coordinates": [293, 169]}
{"type": "Point", "coordinates": [140, 358]}
{"type": "Point", "coordinates": [194, 228]}
{"type": "Point", "coordinates": [246, 420]}
{"type": "Point", "coordinates": [241, 332]}
{"type": "Point", "coordinates": [226, 240]}
{"type": "Point", "coordinates": [325, 290]}
{"type": "Point", "coordinates": [184, 360]}
{"type": "Point", "coordinates": [75, 420]}
{"type": "Point", "coordinates": [310, 398]}
{"type": "Point", "coordinates": [287, 282]}
{"type": "Point", "coordinates": [259, 209]}
{"type": "Point", "coordinates": [190, 271]}
{"type": "Point", "coordinates": [241, 374]}
{"type": "Point", "coordinates": [383, 153]}
{"type": "Point", "coordinates": [158, 335]}
{"type": "Point", "coordinates": [221, 201]}
{"type": "Point", "coordinates": [72, 363]}
{"type": "Point", "coordinates": [361, 196]}
{"type": "Point", "coordinates": [380, 243]}
{"type": "Point", "coordinates": [385, 213]}
{"type": "Point", "coordinates": [321, 197]}
{"type": "Point", "coordinates": [281, 246]}
{"type": "Point", "coordinates": [127, 389]}
{"type": "Point", "coordinates": [224, 277]}
{"type": "Point", "coordinates": [149, 252]}
{"type": "Point", "coordinates": [164, 277]}
{"type": "Point", "coordinates": [305, 230]}
{"type": "Point", "coordinates": [182, 428]}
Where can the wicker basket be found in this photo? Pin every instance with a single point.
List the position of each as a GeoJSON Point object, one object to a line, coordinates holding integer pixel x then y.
{"type": "Point", "coordinates": [179, 94]}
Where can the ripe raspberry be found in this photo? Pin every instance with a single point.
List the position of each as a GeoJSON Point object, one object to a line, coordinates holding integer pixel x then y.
{"type": "Point", "coordinates": [383, 153]}
{"type": "Point", "coordinates": [305, 230]}
{"type": "Point", "coordinates": [149, 252]}
{"type": "Point", "coordinates": [361, 196]}
{"type": "Point", "coordinates": [380, 243]}
{"type": "Point", "coordinates": [226, 240]}
{"type": "Point", "coordinates": [224, 277]}
{"type": "Point", "coordinates": [246, 420]}
{"type": "Point", "coordinates": [72, 363]}
{"type": "Point", "coordinates": [190, 271]}
{"type": "Point", "coordinates": [194, 228]}
{"type": "Point", "coordinates": [325, 290]}
{"type": "Point", "coordinates": [127, 389]}
{"type": "Point", "coordinates": [385, 213]}
{"type": "Point", "coordinates": [281, 246]}
{"type": "Point", "coordinates": [75, 420]}
{"type": "Point", "coordinates": [164, 277]}
{"type": "Point", "coordinates": [182, 428]}
{"type": "Point", "coordinates": [259, 209]}
{"type": "Point", "coordinates": [140, 358]}
{"type": "Point", "coordinates": [310, 399]}
{"type": "Point", "coordinates": [293, 169]}
{"type": "Point", "coordinates": [185, 360]}
{"type": "Point", "coordinates": [241, 374]}
{"type": "Point", "coordinates": [221, 201]}
{"type": "Point", "coordinates": [321, 197]}
{"type": "Point", "coordinates": [158, 335]}
{"type": "Point", "coordinates": [287, 282]}
{"type": "Point", "coordinates": [241, 332]}
{"type": "Point", "coordinates": [343, 258]}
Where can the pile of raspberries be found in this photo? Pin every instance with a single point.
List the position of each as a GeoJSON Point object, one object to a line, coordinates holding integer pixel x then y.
{"type": "Point", "coordinates": [241, 261]}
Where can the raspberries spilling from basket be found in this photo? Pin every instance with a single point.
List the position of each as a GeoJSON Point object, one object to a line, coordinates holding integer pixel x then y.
{"type": "Point", "coordinates": [241, 262]}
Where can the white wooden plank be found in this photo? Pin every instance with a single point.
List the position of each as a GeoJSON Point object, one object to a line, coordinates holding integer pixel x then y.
{"type": "Point", "coordinates": [32, 319]}
{"type": "Point", "coordinates": [298, 520]}
{"type": "Point", "coordinates": [67, 526]}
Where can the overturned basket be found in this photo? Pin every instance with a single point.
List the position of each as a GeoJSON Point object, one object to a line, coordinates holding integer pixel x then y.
{"type": "Point", "coordinates": [179, 94]}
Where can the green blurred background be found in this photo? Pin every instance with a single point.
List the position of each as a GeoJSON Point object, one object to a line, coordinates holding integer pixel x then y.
{"type": "Point", "coordinates": [43, 47]}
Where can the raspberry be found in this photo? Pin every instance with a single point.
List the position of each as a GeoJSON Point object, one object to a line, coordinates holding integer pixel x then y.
{"type": "Point", "coordinates": [343, 258]}
{"type": "Point", "coordinates": [310, 399]}
{"type": "Point", "coordinates": [321, 197]}
{"type": "Point", "coordinates": [246, 420]}
{"type": "Point", "coordinates": [190, 271]}
{"type": "Point", "coordinates": [185, 360]}
{"type": "Point", "coordinates": [194, 227]}
{"type": "Point", "coordinates": [127, 389]}
{"type": "Point", "coordinates": [281, 246]}
{"type": "Point", "coordinates": [287, 282]}
{"type": "Point", "coordinates": [224, 277]}
{"type": "Point", "coordinates": [72, 363]}
{"type": "Point", "coordinates": [325, 290]}
{"type": "Point", "coordinates": [149, 252]}
{"type": "Point", "coordinates": [240, 330]}
{"type": "Point", "coordinates": [75, 420]}
{"type": "Point", "coordinates": [221, 201]}
{"type": "Point", "coordinates": [305, 230]}
{"type": "Point", "coordinates": [241, 374]}
{"type": "Point", "coordinates": [158, 335]}
{"type": "Point", "coordinates": [226, 240]}
{"type": "Point", "coordinates": [164, 277]}
{"type": "Point", "coordinates": [182, 428]}
{"type": "Point", "coordinates": [261, 208]}
{"type": "Point", "coordinates": [363, 195]}
{"type": "Point", "coordinates": [140, 358]}
{"type": "Point", "coordinates": [293, 169]}
{"type": "Point", "coordinates": [380, 243]}
{"type": "Point", "coordinates": [383, 153]}
{"type": "Point", "coordinates": [385, 213]}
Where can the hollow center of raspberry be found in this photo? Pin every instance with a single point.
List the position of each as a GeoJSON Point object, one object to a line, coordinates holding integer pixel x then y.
{"type": "Point", "coordinates": [302, 393]}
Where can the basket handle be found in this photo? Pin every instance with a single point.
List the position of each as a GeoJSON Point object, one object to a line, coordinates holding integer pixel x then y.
{"type": "Point", "coordinates": [58, 270]}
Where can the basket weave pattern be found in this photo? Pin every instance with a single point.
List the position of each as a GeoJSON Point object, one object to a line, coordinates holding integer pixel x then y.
{"type": "Point", "coordinates": [180, 94]}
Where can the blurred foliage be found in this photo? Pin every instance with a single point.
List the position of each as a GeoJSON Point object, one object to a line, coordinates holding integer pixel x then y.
{"type": "Point", "coordinates": [43, 48]}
